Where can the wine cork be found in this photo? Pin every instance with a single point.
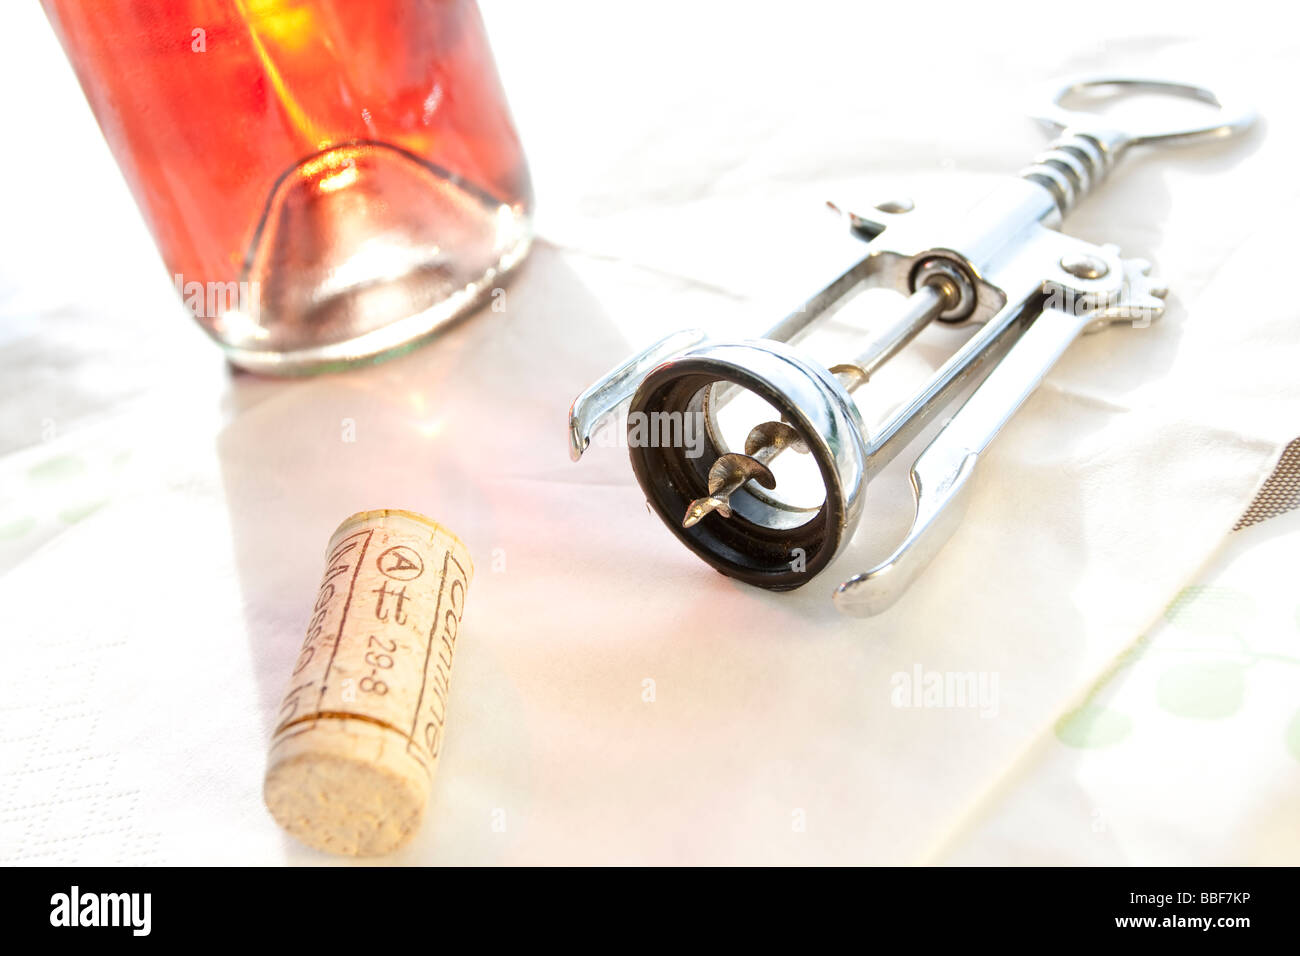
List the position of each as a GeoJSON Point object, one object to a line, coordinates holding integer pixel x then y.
{"type": "Point", "coordinates": [359, 732]}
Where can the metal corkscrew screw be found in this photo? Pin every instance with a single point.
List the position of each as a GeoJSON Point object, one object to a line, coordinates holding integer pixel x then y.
{"type": "Point", "coordinates": [1000, 264]}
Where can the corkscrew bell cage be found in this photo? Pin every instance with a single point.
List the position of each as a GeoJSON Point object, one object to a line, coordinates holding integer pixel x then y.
{"type": "Point", "coordinates": [1000, 264]}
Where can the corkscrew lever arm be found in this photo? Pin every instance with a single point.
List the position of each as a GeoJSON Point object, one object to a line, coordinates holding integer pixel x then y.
{"type": "Point", "coordinates": [941, 474]}
{"type": "Point", "coordinates": [607, 393]}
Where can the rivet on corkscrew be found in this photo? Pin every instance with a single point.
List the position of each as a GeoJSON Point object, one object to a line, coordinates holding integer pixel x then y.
{"type": "Point", "coordinates": [1000, 266]}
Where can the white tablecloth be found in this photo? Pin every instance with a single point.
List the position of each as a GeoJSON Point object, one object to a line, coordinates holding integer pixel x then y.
{"type": "Point", "coordinates": [162, 520]}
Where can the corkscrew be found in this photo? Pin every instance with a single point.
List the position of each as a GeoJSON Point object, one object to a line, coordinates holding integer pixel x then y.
{"type": "Point", "coordinates": [1000, 265]}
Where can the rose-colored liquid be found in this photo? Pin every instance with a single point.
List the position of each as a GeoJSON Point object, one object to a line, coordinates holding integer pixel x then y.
{"type": "Point", "coordinates": [351, 162]}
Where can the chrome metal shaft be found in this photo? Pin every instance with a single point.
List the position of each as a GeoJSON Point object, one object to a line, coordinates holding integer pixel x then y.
{"type": "Point", "coordinates": [766, 441]}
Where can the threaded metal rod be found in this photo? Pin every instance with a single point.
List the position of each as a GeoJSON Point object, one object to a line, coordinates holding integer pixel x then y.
{"type": "Point", "coordinates": [1072, 166]}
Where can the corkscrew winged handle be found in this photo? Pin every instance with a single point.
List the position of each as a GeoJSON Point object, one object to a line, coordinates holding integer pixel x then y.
{"type": "Point", "coordinates": [1071, 167]}
{"type": "Point", "coordinates": [941, 474]}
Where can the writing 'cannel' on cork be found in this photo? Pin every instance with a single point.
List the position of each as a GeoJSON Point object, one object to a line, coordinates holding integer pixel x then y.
{"type": "Point", "coordinates": [360, 729]}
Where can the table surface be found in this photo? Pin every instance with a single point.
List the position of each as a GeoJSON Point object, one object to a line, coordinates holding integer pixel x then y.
{"type": "Point", "coordinates": [162, 518]}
